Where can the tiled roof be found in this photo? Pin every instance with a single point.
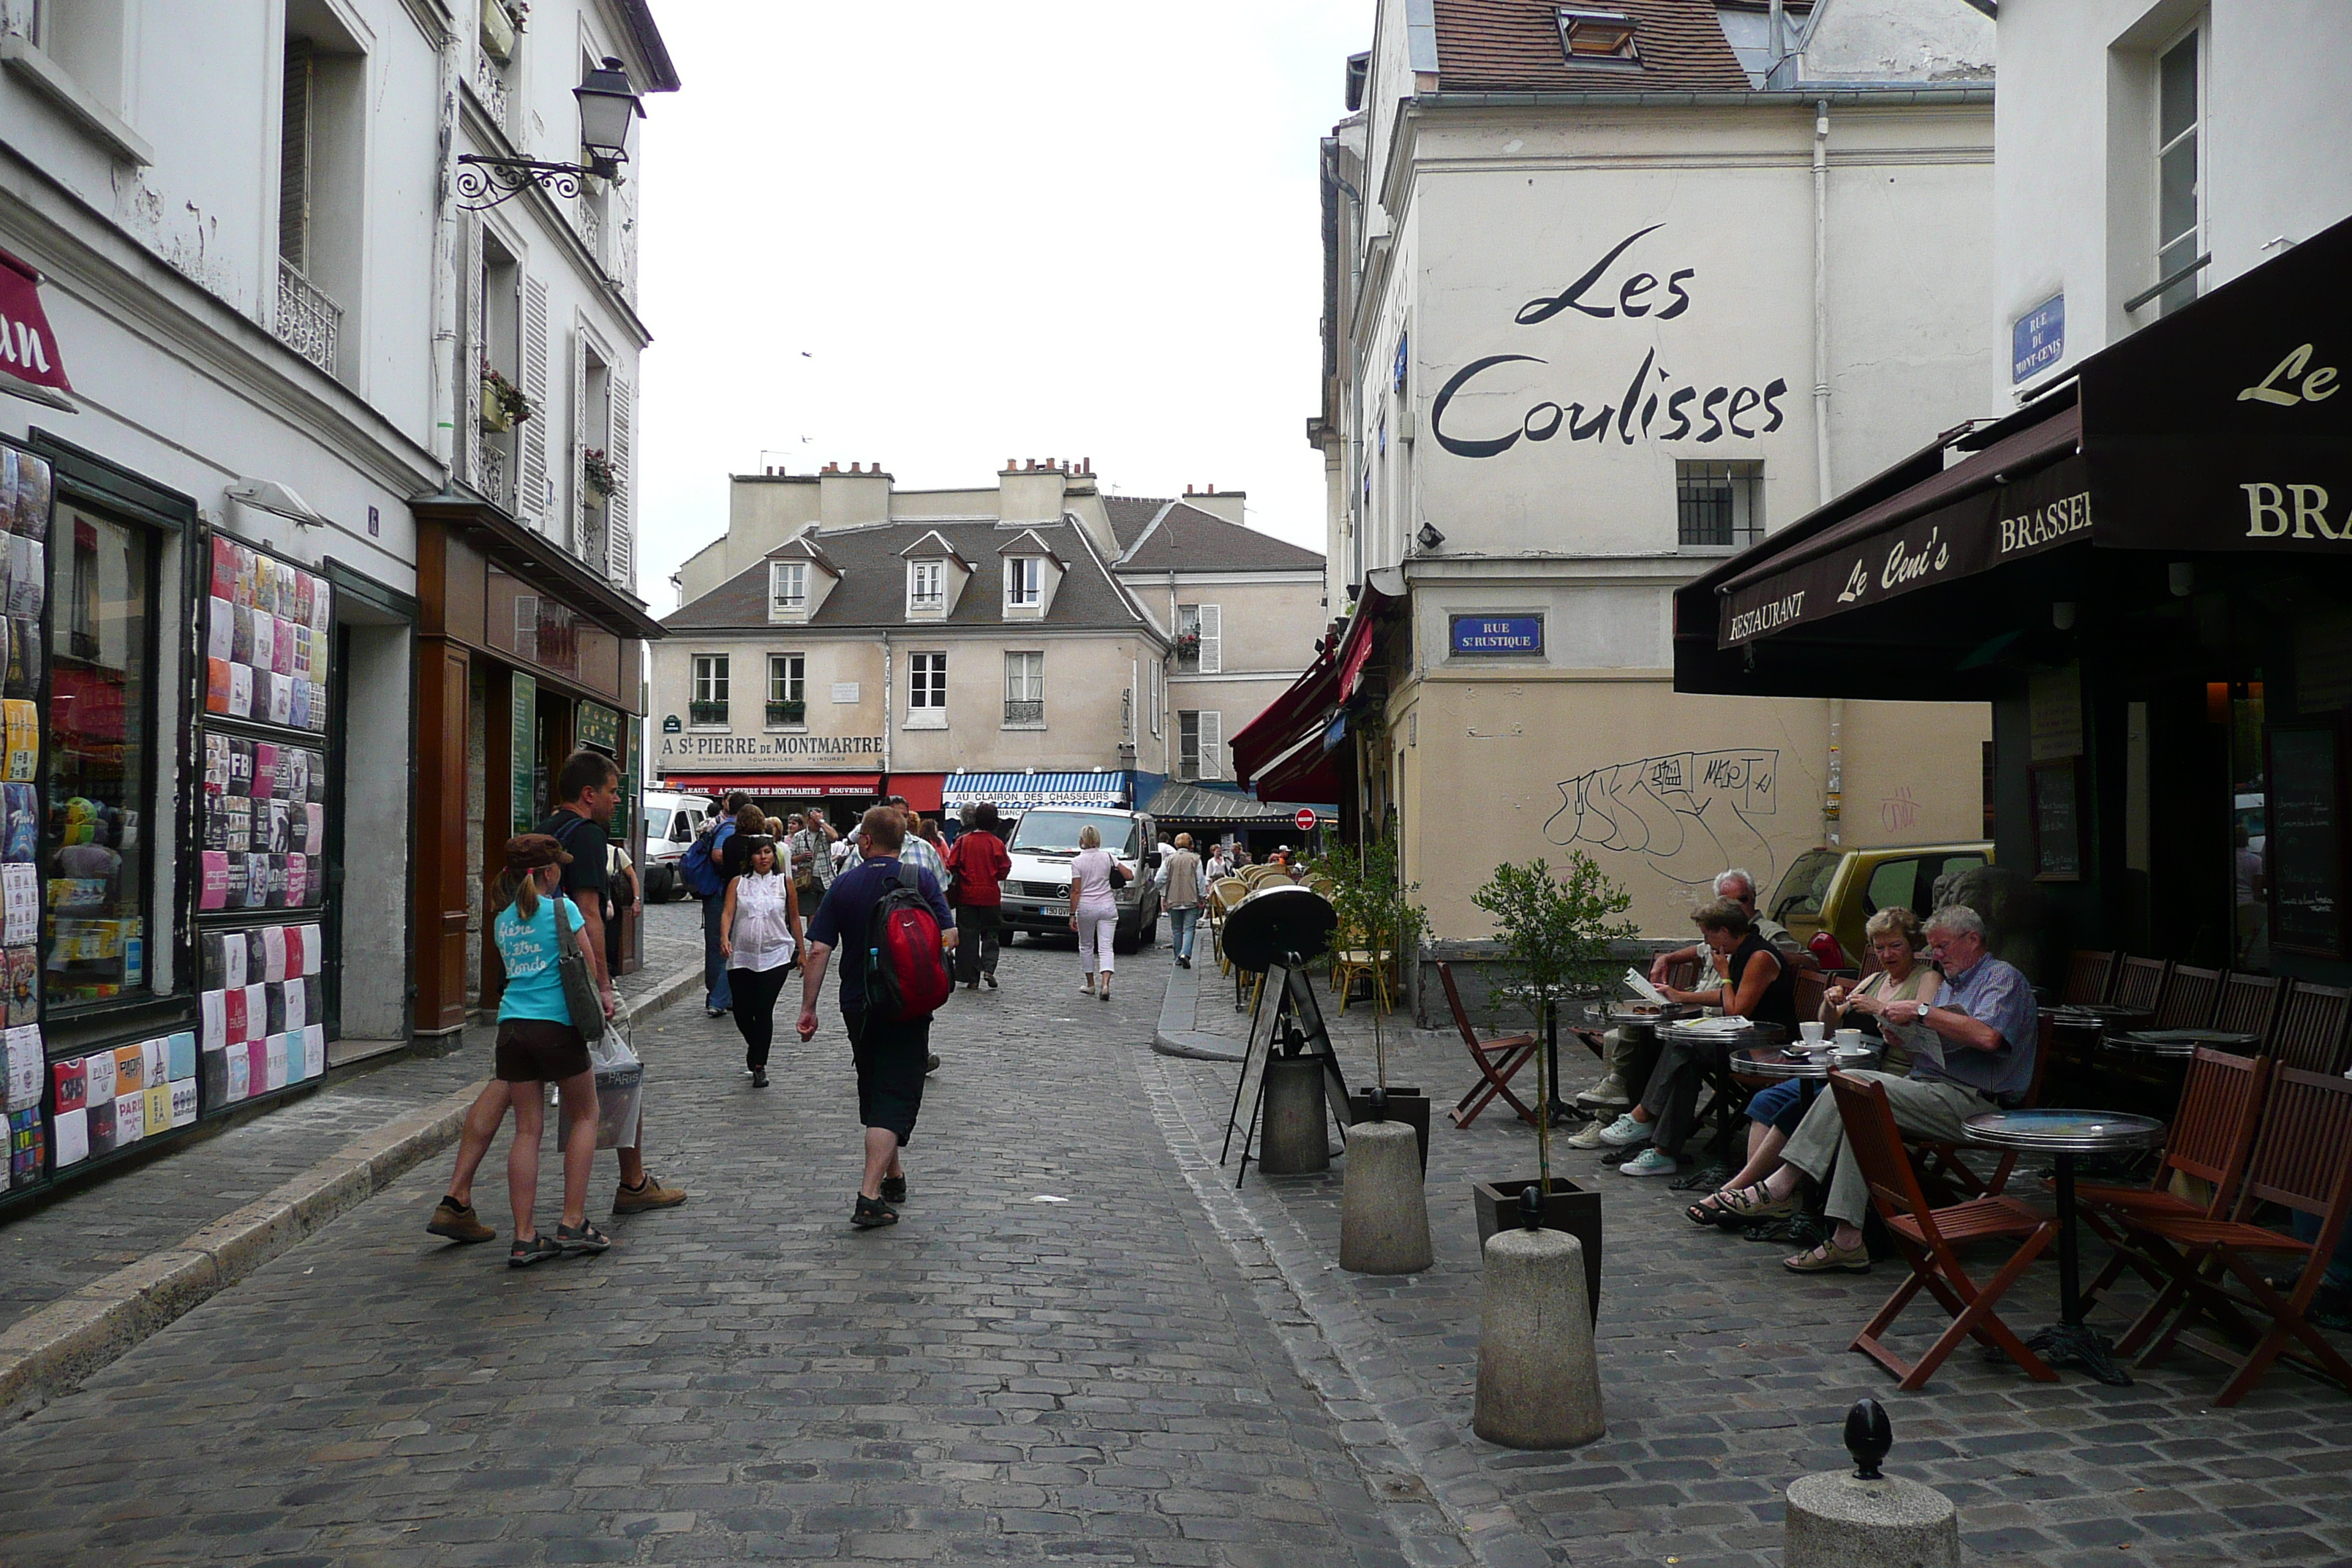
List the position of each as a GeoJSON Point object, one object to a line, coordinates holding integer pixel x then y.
{"type": "Point", "coordinates": [1190, 540]}
{"type": "Point", "coordinates": [872, 592]}
{"type": "Point", "coordinates": [1512, 46]}
{"type": "Point", "coordinates": [1130, 515]}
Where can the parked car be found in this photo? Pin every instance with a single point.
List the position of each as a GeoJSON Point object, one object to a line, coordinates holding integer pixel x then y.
{"type": "Point", "coordinates": [670, 824]}
{"type": "Point", "coordinates": [1037, 892]}
{"type": "Point", "coordinates": [1827, 896]}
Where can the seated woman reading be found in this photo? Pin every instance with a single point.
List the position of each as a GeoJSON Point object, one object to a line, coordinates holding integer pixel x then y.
{"type": "Point", "coordinates": [1896, 939]}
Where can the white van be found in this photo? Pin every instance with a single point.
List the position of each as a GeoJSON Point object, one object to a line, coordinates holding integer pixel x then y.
{"type": "Point", "coordinates": [670, 822]}
{"type": "Point", "coordinates": [1037, 889]}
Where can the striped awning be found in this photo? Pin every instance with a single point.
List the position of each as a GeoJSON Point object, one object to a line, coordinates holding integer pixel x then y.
{"type": "Point", "coordinates": [1019, 792]}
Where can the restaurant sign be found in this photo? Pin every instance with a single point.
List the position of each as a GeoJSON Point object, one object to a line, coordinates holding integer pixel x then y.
{"type": "Point", "coordinates": [757, 752]}
{"type": "Point", "coordinates": [2040, 511]}
{"type": "Point", "coordinates": [1475, 637]}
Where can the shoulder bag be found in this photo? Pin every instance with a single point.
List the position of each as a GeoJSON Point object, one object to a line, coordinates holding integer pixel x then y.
{"type": "Point", "coordinates": [580, 996]}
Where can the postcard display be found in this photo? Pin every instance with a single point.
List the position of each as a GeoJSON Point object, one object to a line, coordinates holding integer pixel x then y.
{"type": "Point", "coordinates": [27, 487]}
{"type": "Point", "coordinates": [262, 897]}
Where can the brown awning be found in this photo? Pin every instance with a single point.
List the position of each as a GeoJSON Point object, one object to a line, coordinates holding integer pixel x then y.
{"type": "Point", "coordinates": [548, 567]}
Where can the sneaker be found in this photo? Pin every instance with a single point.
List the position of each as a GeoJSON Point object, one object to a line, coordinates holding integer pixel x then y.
{"type": "Point", "coordinates": [1622, 1133]}
{"type": "Point", "coordinates": [872, 1212]}
{"type": "Point", "coordinates": [1649, 1163]}
{"type": "Point", "coordinates": [990, 978]}
{"type": "Point", "coordinates": [894, 1190]}
{"type": "Point", "coordinates": [1183, 963]}
{"type": "Point", "coordinates": [714, 1012]}
{"type": "Point", "coordinates": [651, 1195]}
{"type": "Point", "coordinates": [458, 1222]}
{"type": "Point", "coordinates": [1609, 1092]}
{"type": "Point", "coordinates": [758, 1077]}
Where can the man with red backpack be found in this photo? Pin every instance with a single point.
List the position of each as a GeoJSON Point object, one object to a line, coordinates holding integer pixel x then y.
{"type": "Point", "coordinates": [895, 917]}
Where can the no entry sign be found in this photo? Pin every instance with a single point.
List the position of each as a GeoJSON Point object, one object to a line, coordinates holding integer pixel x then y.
{"type": "Point", "coordinates": [1305, 819]}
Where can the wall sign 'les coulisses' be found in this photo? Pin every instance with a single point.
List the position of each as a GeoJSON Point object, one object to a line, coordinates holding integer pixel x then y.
{"type": "Point", "coordinates": [1692, 412]}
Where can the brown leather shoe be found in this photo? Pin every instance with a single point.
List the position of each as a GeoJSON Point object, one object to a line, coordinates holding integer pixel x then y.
{"type": "Point", "coordinates": [458, 1224]}
{"type": "Point", "coordinates": [651, 1195]}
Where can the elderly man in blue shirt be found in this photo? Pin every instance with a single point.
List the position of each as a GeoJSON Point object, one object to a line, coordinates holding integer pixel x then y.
{"type": "Point", "coordinates": [1988, 1027]}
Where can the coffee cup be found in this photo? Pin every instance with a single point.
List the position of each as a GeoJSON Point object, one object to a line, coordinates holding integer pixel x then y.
{"type": "Point", "coordinates": [1813, 1032]}
{"type": "Point", "coordinates": [1850, 1039]}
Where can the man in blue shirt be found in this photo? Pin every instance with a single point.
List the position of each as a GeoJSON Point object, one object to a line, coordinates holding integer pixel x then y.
{"type": "Point", "coordinates": [1987, 1029]}
{"type": "Point", "coordinates": [891, 1057]}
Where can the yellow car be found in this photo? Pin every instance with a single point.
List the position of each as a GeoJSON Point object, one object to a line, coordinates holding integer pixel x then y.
{"type": "Point", "coordinates": [1828, 895]}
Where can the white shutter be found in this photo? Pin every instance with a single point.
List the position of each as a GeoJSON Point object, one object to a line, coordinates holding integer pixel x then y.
{"type": "Point", "coordinates": [619, 533]}
{"type": "Point", "coordinates": [1212, 743]}
{"type": "Point", "coordinates": [531, 493]}
{"type": "Point", "coordinates": [1211, 637]}
{"type": "Point", "coordinates": [576, 488]}
{"type": "Point", "coordinates": [471, 351]}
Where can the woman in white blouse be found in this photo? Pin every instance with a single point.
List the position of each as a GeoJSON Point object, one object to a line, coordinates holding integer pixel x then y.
{"type": "Point", "coordinates": [1094, 911]}
{"type": "Point", "coordinates": [759, 931]}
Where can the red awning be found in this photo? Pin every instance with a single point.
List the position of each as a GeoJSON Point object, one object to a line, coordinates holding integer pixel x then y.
{"type": "Point", "coordinates": [924, 791]}
{"type": "Point", "coordinates": [30, 364]}
{"type": "Point", "coordinates": [1306, 709]}
{"type": "Point", "coordinates": [813, 785]}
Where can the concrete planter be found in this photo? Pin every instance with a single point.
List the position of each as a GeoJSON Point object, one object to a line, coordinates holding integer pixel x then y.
{"type": "Point", "coordinates": [1568, 1208]}
{"type": "Point", "coordinates": [1406, 1105]}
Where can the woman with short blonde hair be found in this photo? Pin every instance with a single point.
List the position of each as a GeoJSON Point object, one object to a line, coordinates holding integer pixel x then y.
{"type": "Point", "coordinates": [1094, 911]}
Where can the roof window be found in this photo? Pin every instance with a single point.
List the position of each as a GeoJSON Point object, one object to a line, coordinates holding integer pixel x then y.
{"type": "Point", "coordinates": [1598, 38]}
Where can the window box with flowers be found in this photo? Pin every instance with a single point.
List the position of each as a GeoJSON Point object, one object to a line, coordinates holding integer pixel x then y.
{"type": "Point", "coordinates": [1187, 648]}
{"type": "Point", "coordinates": [503, 404]}
{"type": "Point", "coordinates": [706, 710]}
{"type": "Point", "coordinates": [596, 473]}
{"type": "Point", "coordinates": [502, 22]}
{"type": "Point", "coordinates": [790, 712]}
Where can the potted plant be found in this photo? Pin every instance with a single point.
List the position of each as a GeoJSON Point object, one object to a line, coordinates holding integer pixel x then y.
{"type": "Point", "coordinates": [788, 712]}
{"type": "Point", "coordinates": [1556, 931]}
{"type": "Point", "coordinates": [1188, 646]}
{"type": "Point", "coordinates": [1378, 912]}
{"type": "Point", "coordinates": [503, 404]}
{"type": "Point", "coordinates": [596, 472]}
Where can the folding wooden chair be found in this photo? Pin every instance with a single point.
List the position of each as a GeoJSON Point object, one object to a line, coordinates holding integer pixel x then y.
{"type": "Point", "coordinates": [2309, 1033]}
{"type": "Point", "coordinates": [2247, 1004]}
{"type": "Point", "coordinates": [2302, 1162]}
{"type": "Point", "coordinates": [2190, 998]}
{"type": "Point", "coordinates": [1940, 1164]}
{"type": "Point", "coordinates": [1497, 1060]}
{"type": "Point", "coordinates": [2210, 1138]}
{"type": "Point", "coordinates": [2139, 983]}
{"type": "Point", "coordinates": [2089, 976]}
{"type": "Point", "coordinates": [1928, 1239]}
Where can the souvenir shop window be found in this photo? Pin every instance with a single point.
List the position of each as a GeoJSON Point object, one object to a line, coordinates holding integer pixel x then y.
{"type": "Point", "coordinates": [102, 756]}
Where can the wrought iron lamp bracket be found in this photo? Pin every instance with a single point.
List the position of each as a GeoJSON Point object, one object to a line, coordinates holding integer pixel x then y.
{"type": "Point", "coordinates": [503, 179]}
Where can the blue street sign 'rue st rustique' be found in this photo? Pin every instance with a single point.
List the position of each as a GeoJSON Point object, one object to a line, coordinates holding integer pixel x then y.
{"type": "Point", "coordinates": [1476, 635]}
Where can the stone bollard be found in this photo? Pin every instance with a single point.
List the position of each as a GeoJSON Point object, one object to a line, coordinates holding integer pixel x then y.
{"type": "Point", "coordinates": [1383, 1217]}
{"type": "Point", "coordinates": [1867, 1520]}
{"type": "Point", "coordinates": [1292, 1143]}
{"type": "Point", "coordinates": [1538, 1379]}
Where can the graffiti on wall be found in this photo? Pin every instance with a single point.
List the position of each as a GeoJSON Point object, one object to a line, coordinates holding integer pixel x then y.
{"type": "Point", "coordinates": [1688, 814]}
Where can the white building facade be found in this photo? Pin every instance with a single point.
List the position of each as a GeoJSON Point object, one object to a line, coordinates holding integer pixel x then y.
{"type": "Point", "coordinates": [240, 268]}
{"type": "Point", "coordinates": [1607, 300]}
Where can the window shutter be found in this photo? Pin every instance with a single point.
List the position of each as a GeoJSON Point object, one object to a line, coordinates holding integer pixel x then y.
{"type": "Point", "coordinates": [532, 492]}
{"type": "Point", "coordinates": [620, 533]}
{"type": "Point", "coordinates": [473, 322]}
{"type": "Point", "coordinates": [576, 514]}
{"type": "Point", "coordinates": [294, 159]}
{"type": "Point", "coordinates": [1211, 639]}
{"type": "Point", "coordinates": [1212, 743]}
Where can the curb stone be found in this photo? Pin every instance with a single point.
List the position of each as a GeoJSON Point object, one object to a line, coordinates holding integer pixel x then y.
{"type": "Point", "coordinates": [1175, 1036]}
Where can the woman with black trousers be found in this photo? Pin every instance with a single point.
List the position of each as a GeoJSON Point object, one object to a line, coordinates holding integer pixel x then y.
{"type": "Point", "coordinates": [759, 931]}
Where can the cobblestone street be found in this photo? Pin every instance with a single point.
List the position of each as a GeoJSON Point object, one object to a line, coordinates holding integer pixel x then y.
{"type": "Point", "coordinates": [1083, 1343]}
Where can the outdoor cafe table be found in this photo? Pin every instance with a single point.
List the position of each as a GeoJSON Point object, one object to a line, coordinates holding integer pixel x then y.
{"type": "Point", "coordinates": [1772, 1061]}
{"type": "Point", "coordinates": [2177, 1044]}
{"type": "Point", "coordinates": [2098, 1015]}
{"type": "Point", "coordinates": [2063, 1134]}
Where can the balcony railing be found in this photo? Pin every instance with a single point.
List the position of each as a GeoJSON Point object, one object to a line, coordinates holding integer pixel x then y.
{"type": "Point", "coordinates": [490, 88]}
{"type": "Point", "coordinates": [494, 472]}
{"type": "Point", "coordinates": [1025, 710]}
{"type": "Point", "coordinates": [591, 228]}
{"type": "Point", "coordinates": [308, 321]}
{"type": "Point", "coordinates": [793, 712]}
{"type": "Point", "coordinates": [707, 712]}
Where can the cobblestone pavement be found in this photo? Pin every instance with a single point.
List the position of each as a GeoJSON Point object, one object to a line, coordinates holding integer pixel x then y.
{"type": "Point", "coordinates": [1726, 1377]}
{"type": "Point", "coordinates": [91, 1230]}
{"type": "Point", "coordinates": [1000, 1378]}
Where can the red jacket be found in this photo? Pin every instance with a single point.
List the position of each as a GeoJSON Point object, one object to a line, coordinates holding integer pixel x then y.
{"type": "Point", "coordinates": [981, 865]}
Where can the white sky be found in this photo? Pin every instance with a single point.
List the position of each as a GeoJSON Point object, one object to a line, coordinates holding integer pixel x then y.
{"type": "Point", "coordinates": [936, 236]}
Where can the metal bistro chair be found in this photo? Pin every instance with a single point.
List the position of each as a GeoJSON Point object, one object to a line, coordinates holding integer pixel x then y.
{"type": "Point", "coordinates": [1226, 895]}
{"type": "Point", "coordinates": [1352, 956]}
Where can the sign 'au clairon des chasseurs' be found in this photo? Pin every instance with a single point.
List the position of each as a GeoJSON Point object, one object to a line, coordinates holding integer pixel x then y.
{"type": "Point", "coordinates": [2040, 511]}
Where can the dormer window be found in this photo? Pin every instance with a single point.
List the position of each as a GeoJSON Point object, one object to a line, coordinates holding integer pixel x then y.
{"type": "Point", "coordinates": [1025, 582]}
{"type": "Point", "coordinates": [788, 587]}
{"type": "Point", "coordinates": [926, 585]}
{"type": "Point", "coordinates": [1598, 38]}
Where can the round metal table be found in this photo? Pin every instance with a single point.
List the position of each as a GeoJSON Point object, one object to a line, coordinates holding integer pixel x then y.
{"type": "Point", "coordinates": [2098, 1015]}
{"type": "Point", "coordinates": [1746, 1034]}
{"type": "Point", "coordinates": [2177, 1044]}
{"type": "Point", "coordinates": [2063, 1134]}
{"type": "Point", "coordinates": [1773, 1061]}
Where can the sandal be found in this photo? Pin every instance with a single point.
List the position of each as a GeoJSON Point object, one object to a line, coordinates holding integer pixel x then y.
{"type": "Point", "coordinates": [1711, 1211]}
{"type": "Point", "coordinates": [1757, 1202]}
{"type": "Point", "coordinates": [1830, 1258]}
{"type": "Point", "coordinates": [587, 1239]}
{"type": "Point", "coordinates": [537, 1250]}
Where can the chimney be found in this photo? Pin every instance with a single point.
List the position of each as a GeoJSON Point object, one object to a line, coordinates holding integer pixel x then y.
{"type": "Point", "coordinates": [1035, 494]}
{"type": "Point", "coordinates": [852, 498]}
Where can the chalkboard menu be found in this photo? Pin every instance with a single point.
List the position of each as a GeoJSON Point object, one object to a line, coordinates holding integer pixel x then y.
{"type": "Point", "coordinates": [2057, 823]}
{"type": "Point", "coordinates": [2305, 849]}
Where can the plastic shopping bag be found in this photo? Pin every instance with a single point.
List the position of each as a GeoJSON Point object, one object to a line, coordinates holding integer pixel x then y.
{"type": "Point", "coordinates": [620, 1089]}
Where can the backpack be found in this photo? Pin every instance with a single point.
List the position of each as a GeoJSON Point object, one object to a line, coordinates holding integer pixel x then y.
{"type": "Point", "coordinates": [699, 865]}
{"type": "Point", "coordinates": [906, 967]}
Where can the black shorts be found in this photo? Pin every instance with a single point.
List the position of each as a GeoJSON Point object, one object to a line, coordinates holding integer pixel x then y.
{"type": "Point", "coordinates": [538, 1050]}
{"type": "Point", "coordinates": [891, 1058]}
